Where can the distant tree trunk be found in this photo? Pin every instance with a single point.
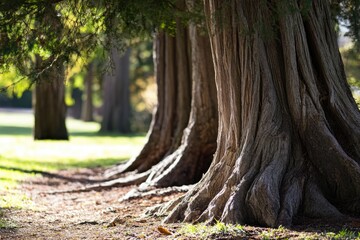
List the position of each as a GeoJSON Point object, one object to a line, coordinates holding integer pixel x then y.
{"type": "Point", "coordinates": [88, 106]}
{"type": "Point", "coordinates": [116, 107]}
{"type": "Point", "coordinates": [49, 104]}
{"type": "Point", "coordinates": [76, 109]}
{"type": "Point", "coordinates": [289, 129]}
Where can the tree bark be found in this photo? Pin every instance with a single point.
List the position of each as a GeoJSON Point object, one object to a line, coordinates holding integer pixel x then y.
{"type": "Point", "coordinates": [193, 157]}
{"type": "Point", "coordinates": [87, 109]}
{"type": "Point", "coordinates": [116, 108]}
{"type": "Point", "coordinates": [173, 76]}
{"type": "Point", "coordinates": [49, 104]}
{"type": "Point", "coordinates": [182, 139]}
{"type": "Point", "coordinates": [289, 129]}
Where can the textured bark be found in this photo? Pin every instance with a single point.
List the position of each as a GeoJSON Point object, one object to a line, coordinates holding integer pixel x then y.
{"type": "Point", "coordinates": [116, 108]}
{"type": "Point", "coordinates": [193, 157]}
{"type": "Point", "coordinates": [289, 129]}
{"type": "Point", "coordinates": [173, 76]}
{"type": "Point", "coordinates": [87, 109]}
{"type": "Point", "coordinates": [181, 142]}
{"type": "Point", "coordinates": [49, 105]}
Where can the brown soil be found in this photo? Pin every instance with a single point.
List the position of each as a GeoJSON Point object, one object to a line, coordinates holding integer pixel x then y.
{"type": "Point", "coordinates": [80, 215]}
{"type": "Point", "coordinates": [90, 215]}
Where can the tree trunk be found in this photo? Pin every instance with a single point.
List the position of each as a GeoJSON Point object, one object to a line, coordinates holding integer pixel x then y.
{"type": "Point", "coordinates": [88, 107]}
{"type": "Point", "coordinates": [289, 129]}
{"type": "Point", "coordinates": [49, 104]}
{"type": "Point", "coordinates": [193, 157]}
{"type": "Point", "coordinates": [116, 108]}
{"type": "Point", "coordinates": [76, 109]}
{"type": "Point", "coordinates": [173, 76]}
{"type": "Point", "coordinates": [181, 142]}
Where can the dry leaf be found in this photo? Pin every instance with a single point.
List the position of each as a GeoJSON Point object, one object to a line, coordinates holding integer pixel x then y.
{"type": "Point", "coordinates": [164, 230]}
{"type": "Point", "coordinates": [116, 220]}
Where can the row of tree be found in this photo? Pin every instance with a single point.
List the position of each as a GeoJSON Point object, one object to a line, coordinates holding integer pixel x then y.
{"type": "Point", "coordinates": [253, 103]}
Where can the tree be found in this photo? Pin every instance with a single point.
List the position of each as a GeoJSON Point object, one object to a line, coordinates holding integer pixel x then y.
{"type": "Point", "coordinates": [172, 71]}
{"type": "Point", "coordinates": [289, 129]}
{"type": "Point", "coordinates": [288, 136]}
{"type": "Point", "coordinates": [116, 107]}
{"type": "Point", "coordinates": [49, 105]}
{"type": "Point", "coordinates": [182, 137]}
{"type": "Point", "coordinates": [87, 108]}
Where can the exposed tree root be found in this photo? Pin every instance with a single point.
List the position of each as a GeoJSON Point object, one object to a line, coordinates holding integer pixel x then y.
{"type": "Point", "coordinates": [141, 192]}
{"type": "Point", "coordinates": [120, 182]}
{"type": "Point", "coordinates": [114, 172]}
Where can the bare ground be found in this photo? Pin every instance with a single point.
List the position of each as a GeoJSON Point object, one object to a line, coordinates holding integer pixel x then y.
{"type": "Point", "coordinates": [90, 215]}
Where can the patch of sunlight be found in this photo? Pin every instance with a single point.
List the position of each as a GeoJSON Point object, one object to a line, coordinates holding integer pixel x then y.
{"type": "Point", "coordinates": [20, 154]}
{"type": "Point", "coordinates": [343, 234]}
{"type": "Point", "coordinates": [16, 200]}
{"type": "Point", "coordinates": [6, 224]}
{"type": "Point", "coordinates": [204, 231]}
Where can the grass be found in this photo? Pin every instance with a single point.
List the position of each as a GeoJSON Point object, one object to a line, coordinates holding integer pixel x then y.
{"type": "Point", "coordinates": [221, 230]}
{"type": "Point", "coordinates": [19, 153]}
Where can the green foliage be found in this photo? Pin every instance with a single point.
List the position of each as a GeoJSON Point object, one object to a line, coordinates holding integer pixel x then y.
{"type": "Point", "coordinates": [143, 85]}
{"type": "Point", "coordinates": [348, 13]}
{"type": "Point", "coordinates": [55, 30]}
{"type": "Point", "coordinates": [343, 234]}
{"type": "Point", "coordinates": [351, 59]}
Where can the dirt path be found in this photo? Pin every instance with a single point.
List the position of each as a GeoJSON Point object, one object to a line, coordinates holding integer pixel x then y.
{"type": "Point", "coordinates": [87, 216]}
{"type": "Point", "coordinates": [81, 215]}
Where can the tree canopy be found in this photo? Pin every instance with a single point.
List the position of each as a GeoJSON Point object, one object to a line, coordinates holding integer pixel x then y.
{"type": "Point", "coordinates": [82, 24]}
{"type": "Point", "coordinates": [57, 30]}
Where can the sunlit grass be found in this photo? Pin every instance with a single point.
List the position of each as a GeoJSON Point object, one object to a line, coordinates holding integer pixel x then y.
{"type": "Point", "coordinates": [203, 231]}
{"type": "Point", "coordinates": [220, 230]}
{"type": "Point", "coordinates": [86, 148]}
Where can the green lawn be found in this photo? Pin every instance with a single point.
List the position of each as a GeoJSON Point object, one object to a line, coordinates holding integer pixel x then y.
{"type": "Point", "coordinates": [86, 148]}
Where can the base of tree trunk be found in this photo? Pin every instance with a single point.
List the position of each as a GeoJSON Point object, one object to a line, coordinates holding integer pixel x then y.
{"type": "Point", "coordinates": [289, 133]}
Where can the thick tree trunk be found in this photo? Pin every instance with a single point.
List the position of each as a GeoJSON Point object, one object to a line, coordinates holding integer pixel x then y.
{"type": "Point", "coordinates": [88, 106]}
{"type": "Point", "coordinates": [289, 129]}
{"type": "Point", "coordinates": [116, 108]}
{"type": "Point", "coordinates": [181, 142]}
{"type": "Point", "coordinates": [193, 157]}
{"type": "Point", "coordinates": [49, 105]}
{"type": "Point", "coordinates": [173, 75]}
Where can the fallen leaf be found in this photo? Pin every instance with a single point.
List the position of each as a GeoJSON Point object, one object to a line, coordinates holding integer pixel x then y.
{"type": "Point", "coordinates": [164, 230]}
{"type": "Point", "coordinates": [116, 220]}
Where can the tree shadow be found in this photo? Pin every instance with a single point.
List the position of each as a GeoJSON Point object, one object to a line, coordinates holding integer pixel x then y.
{"type": "Point", "coordinates": [14, 130]}
{"type": "Point", "coordinates": [26, 131]}
{"type": "Point", "coordinates": [343, 228]}
{"type": "Point", "coordinates": [49, 174]}
{"type": "Point", "coordinates": [37, 164]}
{"type": "Point", "coordinates": [104, 134]}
